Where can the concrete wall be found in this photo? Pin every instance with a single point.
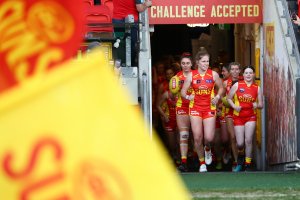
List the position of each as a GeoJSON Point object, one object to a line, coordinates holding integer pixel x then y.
{"type": "Point", "coordinates": [279, 91]}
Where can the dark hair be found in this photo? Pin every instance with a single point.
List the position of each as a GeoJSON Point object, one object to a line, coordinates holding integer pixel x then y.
{"type": "Point", "coordinates": [186, 55]}
{"type": "Point", "coordinates": [169, 68]}
{"type": "Point", "coordinates": [226, 67]}
{"type": "Point", "coordinates": [250, 67]}
{"type": "Point", "coordinates": [234, 63]}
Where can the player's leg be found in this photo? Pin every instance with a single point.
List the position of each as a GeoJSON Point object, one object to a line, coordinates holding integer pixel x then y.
{"type": "Point", "coordinates": [183, 123]}
{"type": "Point", "coordinates": [197, 129]}
{"type": "Point", "coordinates": [209, 123]}
{"type": "Point", "coordinates": [231, 133]}
{"type": "Point", "coordinates": [240, 141]}
{"type": "Point", "coordinates": [249, 133]}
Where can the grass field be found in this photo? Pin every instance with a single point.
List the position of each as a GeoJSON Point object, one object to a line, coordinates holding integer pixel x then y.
{"type": "Point", "coordinates": [244, 185]}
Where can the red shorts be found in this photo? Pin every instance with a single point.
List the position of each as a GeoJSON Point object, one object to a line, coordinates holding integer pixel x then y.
{"type": "Point", "coordinates": [241, 121]}
{"type": "Point", "coordinates": [182, 110]}
{"type": "Point", "coordinates": [222, 120]}
{"type": "Point", "coordinates": [202, 114]}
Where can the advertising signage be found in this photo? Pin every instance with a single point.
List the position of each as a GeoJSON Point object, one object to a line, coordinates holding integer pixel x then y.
{"type": "Point", "coordinates": [205, 11]}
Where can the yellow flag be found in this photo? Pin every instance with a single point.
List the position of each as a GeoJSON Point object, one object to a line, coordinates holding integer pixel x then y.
{"type": "Point", "coordinates": [71, 135]}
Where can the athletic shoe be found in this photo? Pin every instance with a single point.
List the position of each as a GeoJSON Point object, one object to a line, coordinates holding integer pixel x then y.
{"type": "Point", "coordinates": [203, 168]}
{"type": "Point", "coordinates": [226, 157]}
{"type": "Point", "coordinates": [183, 167]}
{"type": "Point", "coordinates": [208, 156]}
{"type": "Point", "coordinates": [219, 165]}
{"type": "Point", "coordinates": [233, 165]}
{"type": "Point", "coordinates": [248, 168]}
{"type": "Point", "coordinates": [238, 168]}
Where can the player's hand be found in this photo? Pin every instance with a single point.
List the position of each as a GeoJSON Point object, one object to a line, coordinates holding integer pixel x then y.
{"type": "Point", "coordinates": [215, 100]}
{"type": "Point", "coordinates": [254, 105]}
{"type": "Point", "coordinates": [297, 21]}
{"type": "Point", "coordinates": [148, 3]}
{"type": "Point", "coordinates": [237, 108]}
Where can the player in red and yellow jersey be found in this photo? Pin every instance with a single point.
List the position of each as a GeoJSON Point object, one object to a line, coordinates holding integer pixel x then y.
{"type": "Point", "coordinates": [224, 138]}
{"type": "Point", "coordinates": [234, 69]}
{"type": "Point", "coordinates": [203, 105]}
{"type": "Point", "coordinates": [245, 97]}
{"type": "Point", "coordinates": [166, 106]}
{"type": "Point", "coordinates": [182, 109]}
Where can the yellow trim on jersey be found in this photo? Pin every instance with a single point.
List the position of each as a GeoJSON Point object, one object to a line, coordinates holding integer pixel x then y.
{"type": "Point", "coordinates": [179, 101]}
{"type": "Point", "coordinates": [237, 103]}
{"type": "Point", "coordinates": [212, 95]}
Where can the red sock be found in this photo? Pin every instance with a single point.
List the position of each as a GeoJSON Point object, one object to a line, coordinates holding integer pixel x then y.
{"type": "Point", "coordinates": [234, 163]}
{"type": "Point", "coordinates": [202, 161]}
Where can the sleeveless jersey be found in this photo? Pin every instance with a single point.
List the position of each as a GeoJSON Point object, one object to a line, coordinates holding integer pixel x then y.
{"type": "Point", "coordinates": [228, 86]}
{"type": "Point", "coordinates": [223, 106]}
{"type": "Point", "coordinates": [161, 79]}
{"type": "Point", "coordinates": [228, 110]}
{"type": "Point", "coordinates": [230, 82]}
{"type": "Point", "coordinates": [203, 86]}
{"type": "Point", "coordinates": [182, 102]}
{"type": "Point", "coordinates": [169, 108]}
{"type": "Point", "coordinates": [165, 85]}
{"type": "Point", "coordinates": [245, 96]}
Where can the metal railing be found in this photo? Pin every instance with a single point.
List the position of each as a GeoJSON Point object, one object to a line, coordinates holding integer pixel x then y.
{"type": "Point", "coordinates": [286, 27]}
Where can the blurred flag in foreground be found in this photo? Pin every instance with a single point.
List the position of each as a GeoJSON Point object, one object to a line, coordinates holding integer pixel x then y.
{"type": "Point", "coordinates": [70, 135]}
{"type": "Point", "coordinates": [37, 35]}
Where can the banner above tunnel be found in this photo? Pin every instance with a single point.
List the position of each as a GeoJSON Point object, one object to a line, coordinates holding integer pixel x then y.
{"type": "Point", "coordinates": [205, 11]}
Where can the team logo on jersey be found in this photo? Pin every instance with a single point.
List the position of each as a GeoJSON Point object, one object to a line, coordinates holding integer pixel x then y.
{"type": "Point", "coordinates": [246, 98]}
{"type": "Point", "coordinates": [209, 81]}
{"type": "Point", "coordinates": [242, 90]}
{"type": "Point", "coordinates": [202, 90]}
{"type": "Point", "coordinates": [197, 81]}
{"type": "Point", "coordinates": [203, 87]}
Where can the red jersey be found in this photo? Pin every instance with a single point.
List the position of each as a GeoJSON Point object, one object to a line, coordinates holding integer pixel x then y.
{"type": "Point", "coordinates": [182, 102]}
{"type": "Point", "coordinates": [229, 84]}
{"type": "Point", "coordinates": [203, 86]}
{"type": "Point", "coordinates": [161, 79]}
{"type": "Point", "coordinates": [122, 8]}
{"type": "Point", "coordinates": [165, 85]}
{"type": "Point", "coordinates": [228, 110]}
{"type": "Point", "coordinates": [245, 96]}
{"type": "Point", "coordinates": [171, 109]}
